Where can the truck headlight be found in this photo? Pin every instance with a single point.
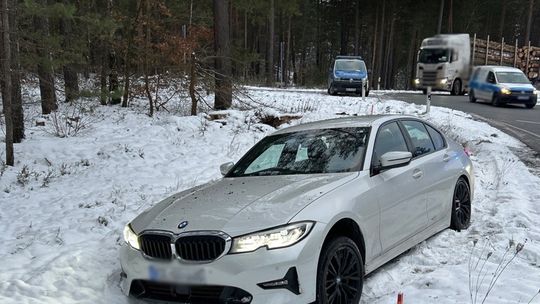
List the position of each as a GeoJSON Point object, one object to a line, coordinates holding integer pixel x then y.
{"type": "Point", "coordinates": [443, 81]}
{"type": "Point", "coordinates": [278, 237]}
{"type": "Point", "coordinates": [505, 91]}
{"type": "Point", "coordinates": [416, 81]}
{"type": "Point", "coordinates": [131, 237]}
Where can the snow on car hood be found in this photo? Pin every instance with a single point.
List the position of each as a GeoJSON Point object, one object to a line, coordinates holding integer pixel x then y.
{"type": "Point", "coordinates": [239, 205]}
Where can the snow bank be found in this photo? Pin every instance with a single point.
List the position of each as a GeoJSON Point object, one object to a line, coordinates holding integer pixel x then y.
{"type": "Point", "coordinates": [64, 204]}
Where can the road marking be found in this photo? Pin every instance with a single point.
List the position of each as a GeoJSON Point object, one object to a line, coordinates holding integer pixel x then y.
{"type": "Point", "coordinates": [522, 130]}
{"type": "Point", "coordinates": [528, 121]}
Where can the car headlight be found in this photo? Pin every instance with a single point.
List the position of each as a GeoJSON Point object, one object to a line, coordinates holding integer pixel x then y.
{"type": "Point", "coordinates": [505, 91]}
{"type": "Point", "coordinates": [131, 237]}
{"type": "Point", "coordinates": [278, 237]}
{"type": "Point", "coordinates": [535, 92]}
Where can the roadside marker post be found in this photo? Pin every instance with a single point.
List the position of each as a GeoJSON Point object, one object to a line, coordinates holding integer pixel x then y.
{"type": "Point", "coordinates": [428, 100]}
{"type": "Point", "coordinates": [363, 90]}
{"type": "Point", "coordinates": [400, 298]}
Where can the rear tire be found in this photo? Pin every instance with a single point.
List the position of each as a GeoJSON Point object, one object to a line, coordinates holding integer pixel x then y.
{"type": "Point", "coordinates": [340, 273]}
{"type": "Point", "coordinates": [461, 206]}
{"type": "Point", "coordinates": [471, 96]}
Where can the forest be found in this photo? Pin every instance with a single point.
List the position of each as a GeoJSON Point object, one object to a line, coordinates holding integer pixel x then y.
{"type": "Point", "coordinates": [130, 48]}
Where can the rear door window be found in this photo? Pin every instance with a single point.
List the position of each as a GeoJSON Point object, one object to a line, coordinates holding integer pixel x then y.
{"type": "Point", "coordinates": [420, 138]}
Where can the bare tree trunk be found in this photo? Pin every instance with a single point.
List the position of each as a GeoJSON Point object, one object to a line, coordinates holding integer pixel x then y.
{"type": "Point", "coordinates": [357, 28]}
{"type": "Point", "coordinates": [503, 17]}
{"type": "Point", "coordinates": [441, 11]}
{"type": "Point", "coordinates": [44, 66]}
{"type": "Point", "coordinates": [104, 72]}
{"type": "Point", "coordinates": [71, 79]}
{"type": "Point", "coordinates": [287, 65]}
{"type": "Point", "coordinates": [529, 22]}
{"type": "Point", "coordinates": [223, 90]}
{"type": "Point", "coordinates": [381, 44]}
{"type": "Point", "coordinates": [375, 34]}
{"type": "Point", "coordinates": [192, 84]}
{"type": "Point", "coordinates": [17, 112]}
{"type": "Point", "coordinates": [450, 17]}
{"type": "Point", "coordinates": [6, 80]}
{"type": "Point", "coordinates": [270, 62]}
{"type": "Point", "coordinates": [146, 65]}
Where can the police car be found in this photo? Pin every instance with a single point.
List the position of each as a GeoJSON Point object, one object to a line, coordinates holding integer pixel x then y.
{"type": "Point", "coordinates": [501, 85]}
{"type": "Point", "coordinates": [348, 74]}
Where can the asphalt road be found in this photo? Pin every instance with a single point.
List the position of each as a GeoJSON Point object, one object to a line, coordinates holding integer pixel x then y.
{"type": "Point", "coordinates": [516, 120]}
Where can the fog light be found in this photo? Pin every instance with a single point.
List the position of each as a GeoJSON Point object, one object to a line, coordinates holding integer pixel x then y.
{"type": "Point", "coordinates": [289, 282]}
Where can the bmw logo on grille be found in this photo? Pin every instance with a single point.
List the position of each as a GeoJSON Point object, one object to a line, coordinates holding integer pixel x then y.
{"type": "Point", "coordinates": [182, 225]}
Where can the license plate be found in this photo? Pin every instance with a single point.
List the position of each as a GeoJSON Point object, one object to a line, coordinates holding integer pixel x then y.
{"type": "Point", "coordinates": [350, 89]}
{"type": "Point", "coordinates": [523, 97]}
{"type": "Point", "coordinates": [157, 272]}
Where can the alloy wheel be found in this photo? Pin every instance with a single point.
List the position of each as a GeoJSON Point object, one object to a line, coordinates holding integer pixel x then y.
{"type": "Point", "coordinates": [343, 272]}
{"type": "Point", "coordinates": [461, 213]}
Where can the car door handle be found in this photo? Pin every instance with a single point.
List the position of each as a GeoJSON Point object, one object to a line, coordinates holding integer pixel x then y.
{"type": "Point", "coordinates": [417, 173]}
{"type": "Point", "coordinates": [446, 158]}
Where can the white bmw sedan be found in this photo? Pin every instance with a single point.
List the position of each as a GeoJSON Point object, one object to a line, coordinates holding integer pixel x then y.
{"type": "Point", "coordinates": [303, 216]}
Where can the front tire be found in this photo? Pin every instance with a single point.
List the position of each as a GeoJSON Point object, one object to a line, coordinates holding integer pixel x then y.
{"type": "Point", "coordinates": [340, 273]}
{"type": "Point", "coordinates": [332, 91]}
{"type": "Point", "coordinates": [456, 88]}
{"type": "Point", "coordinates": [530, 105]}
{"type": "Point", "coordinates": [461, 206]}
{"type": "Point", "coordinates": [495, 101]}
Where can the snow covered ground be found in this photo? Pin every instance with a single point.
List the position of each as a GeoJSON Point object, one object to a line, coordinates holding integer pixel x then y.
{"type": "Point", "coordinates": [64, 204]}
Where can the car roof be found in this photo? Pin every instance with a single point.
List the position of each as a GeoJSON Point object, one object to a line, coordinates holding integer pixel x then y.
{"type": "Point", "coordinates": [342, 122]}
{"type": "Point", "coordinates": [497, 68]}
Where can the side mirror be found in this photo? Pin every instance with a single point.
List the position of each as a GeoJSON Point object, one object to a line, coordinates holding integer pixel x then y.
{"type": "Point", "coordinates": [391, 160]}
{"type": "Point", "coordinates": [225, 168]}
{"type": "Point", "coordinates": [395, 159]}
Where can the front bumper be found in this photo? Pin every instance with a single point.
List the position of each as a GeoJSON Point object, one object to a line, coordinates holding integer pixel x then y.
{"type": "Point", "coordinates": [435, 85]}
{"type": "Point", "coordinates": [237, 271]}
{"type": "Point", "coordinates": [354, 86]}
{"type": "Point", "coordinates": [518, 98]}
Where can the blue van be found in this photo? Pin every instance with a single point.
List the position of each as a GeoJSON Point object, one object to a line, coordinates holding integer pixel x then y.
{"type": "Point", "coordinates": [347, 74]}
{"type": "Point", "coordinates": [501, 85]}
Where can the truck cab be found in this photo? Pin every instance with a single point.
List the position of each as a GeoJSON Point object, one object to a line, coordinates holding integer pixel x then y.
{"type": "Point", "coordinates": [444, 63]}
{"type": "Point", "coordinates": [348, 74]}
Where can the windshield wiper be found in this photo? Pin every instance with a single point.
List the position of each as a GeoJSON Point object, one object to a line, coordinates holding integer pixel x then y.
{"type": "Point", "coordinates": [274, 171]}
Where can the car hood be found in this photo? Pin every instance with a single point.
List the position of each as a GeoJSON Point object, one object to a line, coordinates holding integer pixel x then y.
{"type": "Point", "coordinates": [518, 86]}
{"type": "Point", "coordinates": [239, 205]}
{"type": "Point", "coordinates": [350, 74]}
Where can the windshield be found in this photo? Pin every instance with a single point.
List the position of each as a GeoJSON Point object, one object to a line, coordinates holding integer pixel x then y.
{"type": "Point", "coordinates": [512, 77]}
{"type": "Point", "coordinates": [305, 152]}
{"type": "Point", "coordinates": [434, 55]}
{"type": "Point", "coordinates": [350, 65]}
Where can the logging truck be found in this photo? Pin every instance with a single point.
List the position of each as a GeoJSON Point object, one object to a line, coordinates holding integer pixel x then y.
{"type": "Point", "coordinates": [444, 63]}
